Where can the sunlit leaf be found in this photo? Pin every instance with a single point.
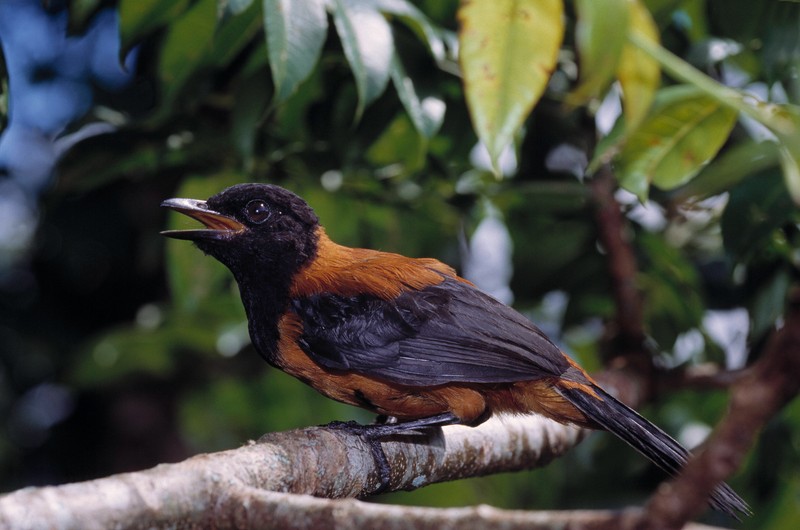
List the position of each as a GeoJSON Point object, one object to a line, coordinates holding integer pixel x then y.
{"type": "Point", "coordinates": [783, 120]}
{"type": "Point", "coordinates": [684, 130]}
{"type": "Point", "coordinates": [508, 49]}
{"type": "Point", "coordinates": [416, 20]}
{"type": "Point", "coordinates": [600, 34]}
{"type": "Point", "coordinates": [137, 18]}
{"type": "Point", "coordinates": [368, 45]}
{"type": "Point", "coordinates": [426, 112]}
{"type": "Point", "coordinates": [638, 73]}
{"type": "Point", "coordinates": [295, 31]}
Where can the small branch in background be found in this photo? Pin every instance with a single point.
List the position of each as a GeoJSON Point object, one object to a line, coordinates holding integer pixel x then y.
{"type": "Point", "coordinates": [756, 397]}
{"type": "Point", "coordinates": [706, 376]}
{"type": "Point", "coordinates": [625, 335]}
{"type": "Point", "coordinates": [279, 510]}
{"type": "Point", "coordinates": [613, 231]}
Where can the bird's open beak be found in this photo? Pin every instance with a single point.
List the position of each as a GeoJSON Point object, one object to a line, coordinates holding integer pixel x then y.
{"type": "Point", "coordinates": [218, 226]}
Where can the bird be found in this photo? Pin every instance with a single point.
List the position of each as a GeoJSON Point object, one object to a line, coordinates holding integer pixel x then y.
{"type": "Point", "coordinates": [405, 338]}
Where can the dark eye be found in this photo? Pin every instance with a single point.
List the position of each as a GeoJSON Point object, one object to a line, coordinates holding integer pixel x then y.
{"type": "Point", "coordinates": [257, 211]}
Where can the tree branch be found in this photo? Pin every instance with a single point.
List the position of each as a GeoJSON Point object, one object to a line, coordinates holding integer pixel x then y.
{"type": "Point", "coordinates": [756, 397]}
{"type": "Point", "coordinates": [614, 234]}
{"type": "Point", "coordinates": [280, 510]}
{"type": "Point", "coordinates": [317, 461]}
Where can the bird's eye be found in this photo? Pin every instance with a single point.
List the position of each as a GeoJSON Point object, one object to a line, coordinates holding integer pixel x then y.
{"type": "Point", "coordinates": [257, 211]}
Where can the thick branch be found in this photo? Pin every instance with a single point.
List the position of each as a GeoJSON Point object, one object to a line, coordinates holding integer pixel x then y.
{"type": "Point", "coordinates": [317, 461]}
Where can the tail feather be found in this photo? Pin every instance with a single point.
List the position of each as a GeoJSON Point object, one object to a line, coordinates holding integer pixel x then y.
{"type": "Point", "coordinates": [649, 440]}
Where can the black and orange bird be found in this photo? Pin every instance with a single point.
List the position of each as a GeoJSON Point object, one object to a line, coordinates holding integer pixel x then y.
{"type": "Point", "coordinates": [402, 337]}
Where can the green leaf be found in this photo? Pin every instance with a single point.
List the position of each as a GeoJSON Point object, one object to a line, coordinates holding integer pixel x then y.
{"type": "Point", "coordinates": [683, 132]}
{"type": "Point", "coordinates": [508, 49]}
{"type": "Point", "coordinates": [790, 163]}
{"type": "Point", "coordinates": [186, 46]}
{"type": "Point", "coordinates": [782, 120]}
{"type": "Point", "coordinates": [639, 74]}
{"type": "Point", "coordinates": [249, 108]}
{"type": "Point", "coordinates": [734, 164]}
{"type": "Point", "coordinates": [295, 31]}
{"type": "Point", "coordinates": [233, 34]}
{"type": "Point", "coordinates": [368, 45]}
{"type": "Point", "coordinates": [400, 143]}
{"type": "Point", "coordinates": [600, 35]}
{"type": "Point", "coordinates": [769, 303]}
{"type": "Point", "coordinates": [757, 208]}
{"type": "Point", "coordinates": [137, 18]}
{"type": "Point", "coordinates": [426, 112]}
{"type": "Point", "coordinates": [671, 288]}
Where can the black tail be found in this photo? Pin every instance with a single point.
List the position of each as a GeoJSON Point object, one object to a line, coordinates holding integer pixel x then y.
{"type": "Point", "coordinates": [649, 440]}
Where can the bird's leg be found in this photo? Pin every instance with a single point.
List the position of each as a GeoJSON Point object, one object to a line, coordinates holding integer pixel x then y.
{"type": "Point", "coordinates": [374, 432]}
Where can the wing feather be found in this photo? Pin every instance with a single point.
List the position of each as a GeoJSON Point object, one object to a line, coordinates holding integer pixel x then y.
{"type": "Point", "coordinates": [444, 333]}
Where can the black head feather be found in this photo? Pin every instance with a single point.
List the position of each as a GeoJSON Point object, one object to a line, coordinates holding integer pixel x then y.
{"type": "Point", "coordinates": [261, 232]}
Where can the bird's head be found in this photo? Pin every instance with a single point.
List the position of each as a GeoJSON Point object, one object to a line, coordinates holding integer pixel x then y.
{"type": "Point", "coordinates": [259, 228]}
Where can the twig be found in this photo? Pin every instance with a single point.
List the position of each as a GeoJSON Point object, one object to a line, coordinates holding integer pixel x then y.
{"type": "Point", "coordinates": [707, 376]}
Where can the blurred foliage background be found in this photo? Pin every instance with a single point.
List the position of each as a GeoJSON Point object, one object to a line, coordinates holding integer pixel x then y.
{"type": "Point", "coordinates": [120, 350]}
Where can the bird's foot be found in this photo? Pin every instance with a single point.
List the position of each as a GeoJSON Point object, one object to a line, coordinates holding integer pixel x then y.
{"type": "Point", "coordinates": [372, 434]}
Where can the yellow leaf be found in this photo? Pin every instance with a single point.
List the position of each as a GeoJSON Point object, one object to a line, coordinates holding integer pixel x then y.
{"type": "Point", "coordinates": [508, 49]}
{"type": "Point", "coordinates": [638, 73]}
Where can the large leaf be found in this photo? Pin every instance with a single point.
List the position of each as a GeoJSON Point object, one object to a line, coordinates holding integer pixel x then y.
{"type": "Point", "coordinates": [600, 35]}
{"type": "Point", "coordinates": [638, 73]}
{"type": "Point", "coordinates": [508, 49]}
{"type": "Point", "coordinates": [683, 132]}
{"type": "Point", "coordinates": [296, 31]}
{"type": "Point", "coordinates": [137, 18]}
{"type": "Point", "coordinates": [368, 45]}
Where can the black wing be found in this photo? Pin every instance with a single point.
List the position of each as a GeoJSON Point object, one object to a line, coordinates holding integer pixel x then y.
{"type": "Point", "coordinates": [450, 332]}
